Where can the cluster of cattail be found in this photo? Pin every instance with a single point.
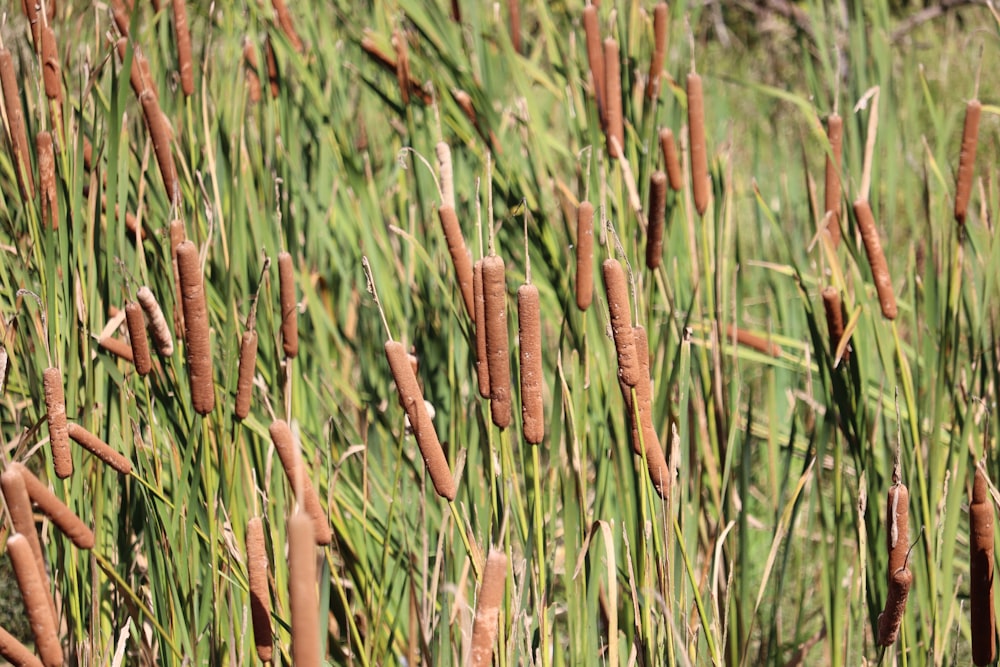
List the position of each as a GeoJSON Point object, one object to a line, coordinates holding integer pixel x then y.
{"type": "Point", "coordinates": [981, 611]}
{"type": "Point", "coordinates": [899, 576]}
{"type": "Point", "coordinates": [47, 180]}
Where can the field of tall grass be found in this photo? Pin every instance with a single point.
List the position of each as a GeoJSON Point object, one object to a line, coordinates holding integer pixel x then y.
{"type": "Point", "coordinates": [431, 332]}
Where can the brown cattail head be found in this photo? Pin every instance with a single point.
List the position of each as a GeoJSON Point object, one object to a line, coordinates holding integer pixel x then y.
{"type": "Point", "coordinates": [981, 610]}
{"type": "Point", "coordinates": [196, 335]}
{"type": "Point", "coordinates": [595, 55]}
{"type": "Point", "coordinates": [670, 159]}
{"type": "Point", "coordinates": [183, 36]}
{"type": "Point", "coordinates": [162, 339]}
{"type": "Point", "coordinates": [51, 71]}
{"type": "Point", "coordinates": [15, 652]}
{"type": "Point", "coordinates": [876, 258]}
{"type": "Point", "coordinates": [298, 477]}
{"type": "Point", "coordinates": [834, 319]}
{"type": "Point", "coordinates": [260, 595]}
{"type": "Point", "coordinates": [753, 341]}
{"type": "Point", "coordinates": [56, 510]}
{"type": "Point", "coordinates": [412, 400]}
{"type": "Point", "coordinates": [47, 180]}
{"type": "Point", "coordinates": [584, 255]}
{"type": "Point", "coordinates": [657, 215]}
{"type": "Point", "coordinates": [497, 342]}
{"type": "Point", "coordinates": [55, 405]}
{"type": "Point", "coordinates": [253, 80]}
{"type": "Point", "coordinates": [445, 173]}
{"type": "Point", "coordinates": [700, 184]}
{"type": "Point", "coordinates": [656, 462]}
{"type": "Point", "coordinates": [835, 135]}
{"type": "Point", "coordinates": [482, 363]}
{"type": "Point", "coordinates": [15, 494]}
{"type": "Point", "coordinates": [37, 601]}
{"type": "Point", "coordinates": [117, 347]}
{"type": "Point", "coordinates": [289, 306]}
{"type": "Point", "coordinates": [34, 21]}
{"type": "Point", "coordinates": [616, 288]}
{"type": "Point", "coordinates": [967, 159]}
{"type": "Point", "coordinates": [460, 257]}
{"type": "Point", "coordinates": [139, 76]}
{"type": "Point", "coordinates": [273, 75]}
{"type": "Point", "coordinates": [15, 125]}
{"type": "Point", "coordinates": [302, 596]}
{"type": "Point", "coordinates": [159, 133]}
{"type": "Point", "coordinates": [530, 349]}
{"type": "Point", "coordinates": [247, 367]}
{"type": "Point", "coordinates": [484, 628]}
{"type": "Point", "coordinates": [177, 236]}
{"type": "Point", "coordinates": [120, 14]}
{"type": "Point", "coordinates": [897, 527]}
{"type": "Point", "coordinates": [514, 17]}
{"type": "Point", "coordinates": [661, 18]}
{"type": "Point", "coordinates": [895, 606]}
{"type": "Point", "coordinates": [402, 65]}
{"type": "Point", "coordinates": [615, 126]}
{"type": "Point", "coordinates": [287, 25]}
{"type": "Point", "coordinates": [136, 322]}
{"type": "Point", "coordinates": [99, 448]}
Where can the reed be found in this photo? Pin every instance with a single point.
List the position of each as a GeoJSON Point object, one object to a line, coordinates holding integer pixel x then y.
{"type": "Point", "coordinates": [595, 55]}
{"type": "Point", "coordinates": [529, 327]}
{"type": "Point", "coordinates": [136, 322]}
{"type": "Point", "coordinates": [497, 342]}
{"type": "Point", "coordinates": [15, 125]}
{"type": "Point", "coordinates": [461, 259]}
{"type": "Point", "coordinates": [661, 20]}
{"type": "Point", "coordinates": [700, 183]}
{"type": "Point", "coordinates": [55, 406]}
{"type": "Point", "coordinates": [421, 424]}
{"type": "Point", "coordinates": [260, 595]}
{"type": "Point", "coordinates": [37, 601]}
{"type": "Point", "coordinates": [982, 614]}
{"type": "Point", "coordinates": [671, 161]}
{"type": "Point", "coordinates": [196, 333]}
{"type": "Point", "coordinates": [615, 125]}
{"type": "Point", "coordinates": [302, 595]}
{"type": "Point", "coordinates": [298, 478]}
{"type": "Point", "coordinates": [488, 603]}
{"type": "Point", "coordinates": [482, 359]}
{"type": "Point", "coordinates": [183, 36]}
{"type": "Point", "coordinates": [584, 255]}
{"type": "Point", "coordinates": [289, 306]}
{"type": "Point", "coordinates": [835, 135]}
{"type": "Point", "coordinates": [657, 216]}
{"type": "Point", "coordinates": [47, 177]}
{"type": "Point", "coordinates": [163, 341]}
{"type": "Point", "coordinates": [876, 258]}
{"type": "Point", "coordinates": [967, 159]}
{"type": "Point", "coordinates": [99, 448]}
{"type": "Point", "coordinates": [616, 288]}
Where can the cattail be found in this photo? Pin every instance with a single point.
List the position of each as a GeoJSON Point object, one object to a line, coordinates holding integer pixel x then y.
{"type": "Point", "coordinates": [34, 21]}
{"type": "Point", "coordinates": [139, 76]}
{"type": "Point", "coordinates": [15, 124]}
{"type": "Point", "coordinates": [895, 606]}
{"type": "Point", "coordinates": [753, 341]}
{"type": "Point", "coordinates": [482, 362]}
{"type": "Point", "coordinates": [158, 327]}
{"type": "Point", "coordinates": [530, 348]}
{"type": "Point", "coordinates": [51, 71]}
{"type": "Point", "coordinates": [834, 319]}
{"type": "Point", "coordinates": [595, 55]}
{"type": "Point", "coordinates": [967, 159]}
{"type": "Point", "coordinates": [289, 306]}
{"type": "Point", "coordinates": [514, 15]}
{"type": "Point", "coordinates": [982, 613]}
{"type": "Point", "coordinates": [120, 14]}
{"type": "Point", "coordinates": [117, 347]}
{"type": "Point", "coordinates": [460, 256]}
{"type": "Point", "coordinates": [159, 132]}
{"type": "Point", "coordinates": [197, 345]}
{"type": "Point", "coordinates": [584, 255]}
{"type": "Point", "coordinates": [136, 322]}
{"type": "Point", "coordinates": [876, 258]}
{"type": "Point", "coordinates": [273, 76]}
{"type": "Point", "coordinates": [260, 596]}
{"type": "Point", "coordinates": [244, 382]}
{"type": "Point", "coordinates": [287, 25]}
{"type": "Point", "coordinates": [253, 80]}
{"type": "Point", "coordinates": [656, 463]}
{"type": "Point", "coordinates": [302, 597]}
{"type": "Point", "coordinates": [298, 476]}
{"type": "Point", "coordinates": [15, 652]}
{"type": "Point", "coordinates": [56, 510]}
{"type": "Point", "coordinates": [99, 448]}
{"type": "Point", "coordinates": [835, 135]}
{"type": "Point", "coordinates": [183, 36]}
{"type": "Point", "coordinates": [484, 628]}
{"type": "Point", "coordinates": [412, 400]}
{"type": "Point", "coordinates": [897, 527]}
{"type": "Point", "coordinates": [55, 405]}
{"type": "Point", "coordinates": [47, 179]}
{"type": "Point", "coordinates": [177, 236]}
{"type": "Point", "coordinates": [15, 493]}
{"type": "Point", "coordinates": [670, 159]}
{"type": "Point", "coordinates": [37, 601]}
{"type": "Point", "coordinates": [615, 127]}
{"type": "Point", "coordinates": [616, 287]}
{"type": "Point", "coordinates": [497, 344]}
{"type": "Point", "coordinates": [657, 214]}
{"type": "Point", "coordinates": [402, 65]}
{"type": "Point", "coordinates": [445, 173]}
{"type": "Point", "coordinates": [661, 16]}
{"type": "Point", "coordinates": [700, 183]}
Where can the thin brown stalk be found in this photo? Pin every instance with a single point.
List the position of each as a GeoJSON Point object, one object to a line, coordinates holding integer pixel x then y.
{"type": "Point", "coordinates": [497, 341]}
{"type": "Point", "coordinates": [529, 327]}
{"type": "Point", "coordinates": [700, 182]}
{"type": "Point", "coordinates": [260, 594]}
{"type": "Point", "coordinates": [657, 216]}
{"type": "Point", "coordinates": [56, 510]}
{"type": "Point", "coordinates": [37, 601]}
{"type": "Point", "coordinates": [55, 405]}
{"type": "Point", "coordinates": [488, 603]}
{"type": "Point", "coordinates": [967, 159]}
{"type": "Point", "coordinates": [615, 127]}
{"type": "Point", "coordinates": [289, 305]}
{"type": "Point", "coordinates": [302, 595]}
{"type": "Point", "coordinates": [876, 258]}
{"type": "Point", "coordinates": [298, 477]}
{"type": "Point", "coordinates": [196, 334]}
{"type": "Point", "coordinates": [15, 125]}
{"type": "Point", "coordinates": [99, 448]}
{"type": "Point", "coordinates": [835, 135]}
{"type": "Point", "coordinates": [661, 19]}
{"type": "Point", "coordinates": [183, 36]}
{"type": "Point", "coordinates": [460, 257]}
{"type": "Point", "coordinates": [584, 255]}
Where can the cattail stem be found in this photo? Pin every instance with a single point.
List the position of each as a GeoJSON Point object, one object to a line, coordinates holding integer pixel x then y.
{"type": "Point", "coordinates": [99, 448]}
{"type": "Point", "coordinates": [671, 160]}
{"type": "Point", "coordinates": [661, 19]}
{"type": "Point", "coordinates": [967, 159]}
{"type": "Point", "coordinates": [482, 359]}
{"type": "Point", "coordinates": [162, 339]}
{"type": "Point", "coordinates": [260, 595]}
{"type": "Point", "coordinates": [298, 477]}
{"type": "Point", "coordinates": [55, 405]}
{"type": "Point", "coordinates": [700, 183]}
{"type": "Point", "coordinates": [183, 36]}
{"type": "Point", "coordinates": [835, 135]}
{"type": "Point", "coordinates": [136, 322]}
{"type": "Point", "coordinates": [302, 582]}
{"type": "Point", "coordinates": [460, 257]}
{"type": "Point", "coordinates": [37, 601]}
{"type": "Point", "coordinates": [657, 216]}
{"type": "Point", "coordinates": [56, 510]}
{"type": "Point", "coordinates": [15, 125]}
{"type": "Point", "coordinates": [982, 613]}
{"type": "Point", "coordinates": [876, 258]}
{"type": "Point", "coordinates": [615, 128]}
{"type": "Point", "coordinates": [530, 350]}
{"type": "Point", "coordinates": [595, 55]}
{"type": "Point", "coordinates": [497, 342]}
{"type": "Point", "coordinates": [247, 367]}
{"type": "Point", "coordinates": [584, 255]}
{"type": "Point", "coordinates": [197, 345]}
{"type": "Point", "coordinates": [616, 288]}
{"type": "Point", "coordinates": [289, 305]}
{"type": "Point", "coordinates": [412, 400]}
{"type": "Point", "coordinates": [485, 626]}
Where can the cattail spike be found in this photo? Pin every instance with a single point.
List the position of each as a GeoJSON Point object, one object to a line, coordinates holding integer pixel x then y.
{"type": "Point", "coordinates": [485, 626]}
{"type": "Point", "coordinates": [835, 135]}
{"type": "Point", "coordinates": [700, 183]}
{"type": "Point", "coordinates": [615, 129]}
{"type": "Point", "coordinates": [967, 159]}
{"type": "Point", "coordinates": [56, 510]}
{"type": "Point", "coordinates": [298, 477]}
{"type": "Point", "coordinates": [196, 335]}
{"type": "Point", "coordinates": [162, 339]}
{"type": "Point", "coordinates": [982, 613]}
{"type": "Point", "coordinates": [460, 257]}
{"type": "Point", "coordinates": [657, 215]}
{"type": "Point", "coordinates": [247, 368]}
{"type": "Point", "coordinates": [15, 125]}
{"type": "Point", "coordinates": [530, 349]}
{"type": "Point", "coordinates": [833, 307]}
{"type": "Point", "coordinates": [302, 583]}
{"type": "Point", "coordinates": [55, 405]}
{"type": "Point", "coordinates": [497, 342]}
{"type": "Point", "coordinates": [37, 601]}
{"type": "Point", "coordinates": [661, 19]}
{"type": "Point", "coordinates": [260, 596]}
{"type": "Point", "coordinates": [876, 258]}
{"type": "Point", "coordinates": [595, 56]}
{"type": "Point", "coordinates": [99, 448]}
{"type": "Point", "coordinates": [136, 322]}
{"type": "Point", "coordinates": [289, 306]}
{"type": "Point", "coordinates": [584, 255]}
{"type": "Point", "coordinates": [616, 288]}
{"type": "Point", "coordinates": [183, 36]}
{"type": "Point", "coordinates": [671, 161]}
